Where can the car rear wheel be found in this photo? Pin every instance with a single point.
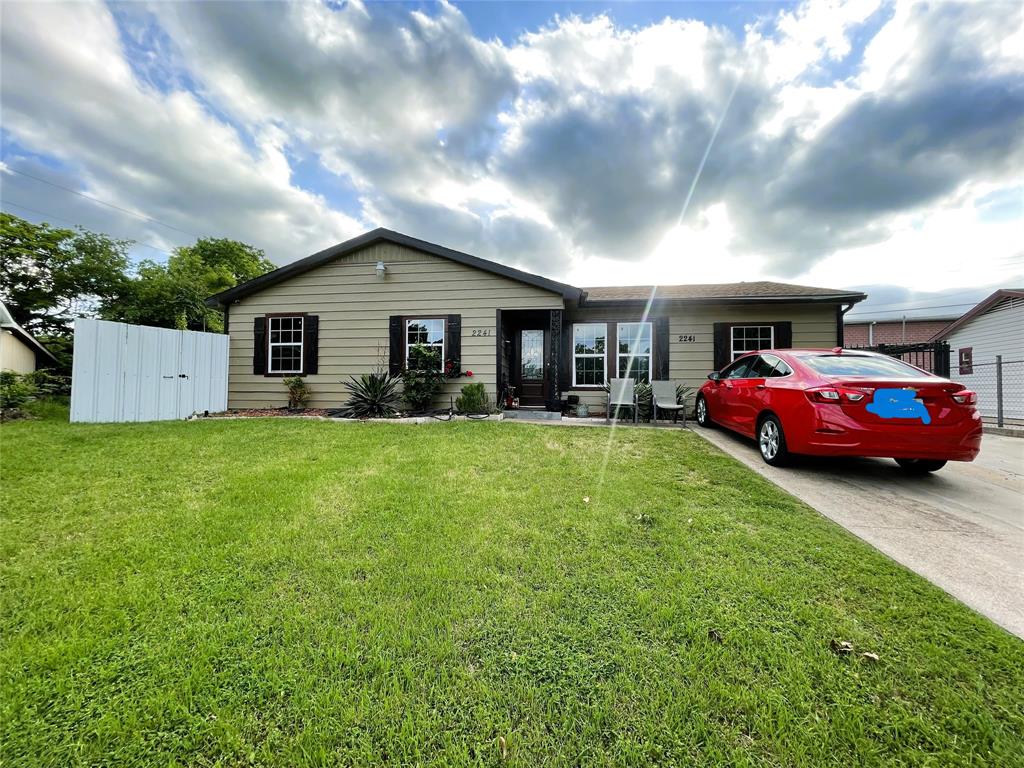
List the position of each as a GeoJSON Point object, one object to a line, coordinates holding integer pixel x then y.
{"type": "Point", "coordinates": [920, 466]}
{"type": "Point", "coordinates": [703, 415]}
{"type": "Point", "coordinates": [771, 441]}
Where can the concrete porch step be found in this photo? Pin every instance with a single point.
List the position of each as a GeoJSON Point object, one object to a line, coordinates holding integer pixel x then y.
{"type": "Point", "coordinates": [532, 415]}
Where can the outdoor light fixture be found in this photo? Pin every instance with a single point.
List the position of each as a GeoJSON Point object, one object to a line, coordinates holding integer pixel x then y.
{"type": "Point", "coordinates": [380, 269]}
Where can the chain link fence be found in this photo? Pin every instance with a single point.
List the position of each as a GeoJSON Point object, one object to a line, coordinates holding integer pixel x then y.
{"type": "Point", "coordinates": [1000, 387]}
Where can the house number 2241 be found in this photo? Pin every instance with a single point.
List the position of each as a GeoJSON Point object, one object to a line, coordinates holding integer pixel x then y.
{"type": "Point", "coordinates": [687, 338]}
{"type": "Point", "coordinates": [482, 332]}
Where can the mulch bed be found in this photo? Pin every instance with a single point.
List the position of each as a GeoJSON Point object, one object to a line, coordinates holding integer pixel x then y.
{"type": "Point", "coordinates": [248, 412]}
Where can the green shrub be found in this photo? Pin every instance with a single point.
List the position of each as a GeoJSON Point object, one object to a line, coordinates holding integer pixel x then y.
{"type": "Point", "coordinates": [50, 384]}
{"type": "Point", "coordinates": [473, 400]}
{"type": "Point", "coordinates": [372, 396]}
{"type": "Point", "coordinates": [644, 401]}
{"type": "Point", "coordinates": [298, 391]}
{"type": "Point", "coordinates": [17, 389]}
{"type": "Point", "coordinates": [423, 378]}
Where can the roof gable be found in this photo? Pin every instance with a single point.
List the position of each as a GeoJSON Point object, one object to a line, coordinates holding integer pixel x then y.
{"type": "Point", "coordinates": [982, 307]}
{"type": "Point", "coordinates": [8, 324]}
{"type": "Point", "coordinates": [385, 235]}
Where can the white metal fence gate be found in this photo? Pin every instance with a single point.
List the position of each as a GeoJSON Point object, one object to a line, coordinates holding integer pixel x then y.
{"type": "Point", "coordinates": [126, 372]}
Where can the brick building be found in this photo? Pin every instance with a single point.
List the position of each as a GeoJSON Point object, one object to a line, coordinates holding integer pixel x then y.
{"type": "Point", "coordinates": [871, 333]}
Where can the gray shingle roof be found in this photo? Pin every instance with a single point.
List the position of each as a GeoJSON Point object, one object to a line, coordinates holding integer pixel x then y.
{"type": "Point", "coordinates": [760, 289]}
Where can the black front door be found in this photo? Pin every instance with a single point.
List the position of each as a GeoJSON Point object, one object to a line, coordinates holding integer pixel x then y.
{"type": "Point", "coordinates": [529, 366]}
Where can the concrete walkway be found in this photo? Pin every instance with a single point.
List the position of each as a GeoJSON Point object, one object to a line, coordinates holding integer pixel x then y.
{"type": "Point", "coordinates": [962, 527]}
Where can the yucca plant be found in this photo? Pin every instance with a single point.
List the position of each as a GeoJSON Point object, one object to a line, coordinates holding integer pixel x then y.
{"type": "Point", "coordinates": [372, 396]}
{"type": "Point", "coordinates": [683, 393]}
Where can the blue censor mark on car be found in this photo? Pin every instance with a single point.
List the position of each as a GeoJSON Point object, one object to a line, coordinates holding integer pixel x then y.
{"type": "Point", "coordinates": [898, 404]}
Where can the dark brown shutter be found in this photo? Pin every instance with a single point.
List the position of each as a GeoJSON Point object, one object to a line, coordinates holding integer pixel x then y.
{"type": "Point", "coordinates": [311, 344]}
{"type": "Point", "coordinates": [556, 362]}
{"type": "Point", "coordinates": [453, 338]}
{"type": "Point", "coordinates": [565, 370]}
{"type": "Point", "coordinates": [723, 345]}
{"type": "Point", "coordinates": [661, 349]}
{"type": "Point", "coordinates": [499, 348]}
{"type": "Point", "coordinates": [783, 335]}
{"type": "Point", "coordinates": [259, 345]}
{"type": "Point", "coordinates": [396, 341]}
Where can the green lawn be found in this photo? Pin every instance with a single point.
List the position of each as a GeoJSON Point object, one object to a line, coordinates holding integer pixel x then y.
{"type": "Point", "coordinates": [286, 592]}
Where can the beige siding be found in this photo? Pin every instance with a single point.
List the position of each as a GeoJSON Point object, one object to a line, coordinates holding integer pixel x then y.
{"type": "Point", "coordinates": [354, 307]}
{"type": "Point", "coordinates": [814, 325]}
{"type": "Point", "coordinates": [16, 355]}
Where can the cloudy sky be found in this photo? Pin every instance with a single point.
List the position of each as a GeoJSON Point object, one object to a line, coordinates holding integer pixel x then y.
{"type": "Point", "coordinates": [859, 144]}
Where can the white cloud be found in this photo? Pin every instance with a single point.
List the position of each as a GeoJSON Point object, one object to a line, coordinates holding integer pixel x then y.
{"type": "Point", "coordinates": [68, 91]}
{"type": "Point", "coordinates": [948, 246]}
{"type": "Point", "coordinates": [810, 34]}
{"type": "Point", "coordinates": [568, 152]}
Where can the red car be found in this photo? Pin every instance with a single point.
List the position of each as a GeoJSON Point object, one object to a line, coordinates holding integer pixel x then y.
{"type": "Point", "coordinates": [842, 403]}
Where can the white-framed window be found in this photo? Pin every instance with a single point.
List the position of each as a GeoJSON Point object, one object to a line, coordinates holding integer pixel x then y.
{"type": "Point", "coordinates": [634, 351]}
{"type": "Point", "coordinates": [285, 344]}
{"type": "Point", "coordinates": [750, 338]}
{"type": "Point", "coordinates": [589, 354]}
{"type": "Point", "coordinates": [428, 331]}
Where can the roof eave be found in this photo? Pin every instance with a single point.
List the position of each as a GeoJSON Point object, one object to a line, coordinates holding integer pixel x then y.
{"type": "Point", "coordinates": [846, 298]}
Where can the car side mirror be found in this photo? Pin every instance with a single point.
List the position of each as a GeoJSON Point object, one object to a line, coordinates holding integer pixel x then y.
{"type": "Point", "coordinates": [713, 376]}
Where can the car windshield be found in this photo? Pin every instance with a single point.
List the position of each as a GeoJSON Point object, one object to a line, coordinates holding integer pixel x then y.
{"type": "Point", "coordinates": [863, 365]}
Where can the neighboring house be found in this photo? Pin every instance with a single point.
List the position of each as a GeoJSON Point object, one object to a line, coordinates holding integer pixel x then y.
{"type": "Point", "coordinates": [871, 333]}
{"type": "Point", "coordinates": [19, 351]}
{"type": "Point", "coordinates": [345, 310]}
{"type": "Point", "coordinates": [994, 327]}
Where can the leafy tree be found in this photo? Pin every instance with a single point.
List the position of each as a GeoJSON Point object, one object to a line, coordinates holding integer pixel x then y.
{"type": "Point", "coordinates": [173, 295]}
{"type": "Point", "coordinates": [49, 275]}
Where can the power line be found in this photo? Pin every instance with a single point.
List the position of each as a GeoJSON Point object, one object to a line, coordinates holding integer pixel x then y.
{"type": "Point", "coordinates": [914, 309]}
{"type": "Point", "coordinates": [74, 223]}
{"type": "Point", "coordinates": [103, 202]}
{"type": "Point", "coordinates": [947, 296]}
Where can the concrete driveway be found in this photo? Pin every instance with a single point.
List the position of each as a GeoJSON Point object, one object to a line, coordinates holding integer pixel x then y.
{"type": "Point", "coordinates": [962, 527]}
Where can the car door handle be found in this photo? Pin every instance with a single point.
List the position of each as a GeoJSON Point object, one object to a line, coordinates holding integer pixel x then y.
{"type": "Point", "coordinates": [760, 386]}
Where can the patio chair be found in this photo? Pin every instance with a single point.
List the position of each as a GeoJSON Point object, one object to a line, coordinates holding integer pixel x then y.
{"type": "Point", "coordinates": [621, 394]}
{"type": "Point", "coordinates": [664, 397]}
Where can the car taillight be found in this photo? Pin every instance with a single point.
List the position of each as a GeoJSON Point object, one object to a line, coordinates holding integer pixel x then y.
{"type": "Point", "coordinates": [965, 397]}
{"type": "Point", "coordinates": [836, 395]}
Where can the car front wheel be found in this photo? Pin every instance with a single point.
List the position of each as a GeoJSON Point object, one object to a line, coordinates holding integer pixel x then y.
{"type": "Point", "coordinates": [771, 441]}
{"type": "Point", "coordinates": [703, 415]}
{"type": "Point", "coordinates": [920, 466]}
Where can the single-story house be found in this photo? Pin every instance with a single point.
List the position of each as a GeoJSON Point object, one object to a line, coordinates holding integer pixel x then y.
{"type": "Point", "coordinates": [19, 350]}
{"type": "Point", "coordinates": [994, 327]}
{"type": "Point", "coordinates": [363, 303]}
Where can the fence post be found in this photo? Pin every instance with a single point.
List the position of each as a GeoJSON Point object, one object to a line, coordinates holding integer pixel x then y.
{"type": "Point", "coordinates": [999, 390]}
{"type": "Point", "coordinates": [941, 362]}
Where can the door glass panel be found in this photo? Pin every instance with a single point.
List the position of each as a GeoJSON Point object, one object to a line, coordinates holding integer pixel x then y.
{"type": "Point", "coordinates": [532, 355]}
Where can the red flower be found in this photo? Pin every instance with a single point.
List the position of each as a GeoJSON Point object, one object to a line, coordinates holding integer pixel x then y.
{"type": "Point", "coordinates": [469, 373]}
